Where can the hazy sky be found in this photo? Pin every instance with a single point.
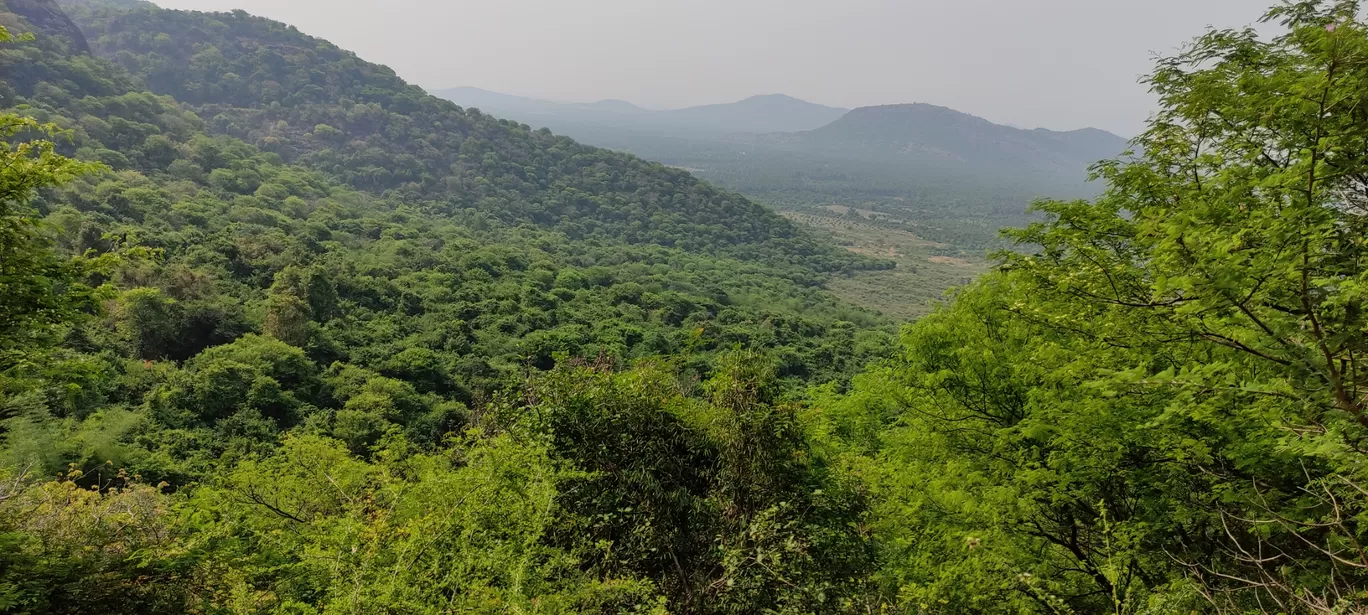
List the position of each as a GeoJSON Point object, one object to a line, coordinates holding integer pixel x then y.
{"type": "Point", "coordinates": [1054, 63]}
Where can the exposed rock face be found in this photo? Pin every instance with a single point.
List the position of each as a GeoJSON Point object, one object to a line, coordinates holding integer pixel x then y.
{"type": "Point", "coordinates": [46, 18]}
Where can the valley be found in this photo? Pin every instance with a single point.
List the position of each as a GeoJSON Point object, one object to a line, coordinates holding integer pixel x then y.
{"type": "Point", "coordinates": [925, 269]}
{"type": "Point", "coordinates": [946, 177]}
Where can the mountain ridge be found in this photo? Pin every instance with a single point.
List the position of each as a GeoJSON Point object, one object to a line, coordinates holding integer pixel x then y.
{"type": "Point", "coordinates": [341, 167]}
{"type": "Point", "coordinates": [761, 114]}
{"type": "Point", "coordinates": [492, 101]}
{"type": "Point", "coordinates": [754, 114]}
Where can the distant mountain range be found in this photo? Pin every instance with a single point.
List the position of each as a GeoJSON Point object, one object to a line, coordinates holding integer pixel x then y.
{"type": "Point", "coordinates": [495, 102]}
{"type": "Point", "coordinates": [757, 114]}
{"type": "Point", "coordinates": [912, 140]}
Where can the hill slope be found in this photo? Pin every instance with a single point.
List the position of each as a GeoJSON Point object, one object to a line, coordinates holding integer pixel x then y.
{"type": "Point", "coordinates": [312, 103]}
{"type": "Point", "coordinates": [524, 250]}
{"type": "Point", "coordinates": [503, 105]}
{"type": "Point", "coordinates": [501, 357]}
{"type": "Point", "coordinates": [932, 134]}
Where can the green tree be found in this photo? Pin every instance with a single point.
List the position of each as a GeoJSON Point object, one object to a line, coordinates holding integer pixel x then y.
{"type": "Point", "coordinates": [288, 313]}
{"type": "Point", "coordinates": [67, 549]}
{"type": "Point", "coordinates": [718, 500]}
{"type": "Point", "coordinates": [316, 530]}
{"type": "Point", "coordinates": [149, 321]}
{"type": "Point", "coordinates": [39, 290]}
{"type": "Point", "coordinates": [1159, 405]}
{"type": "Point", "coordinates": [1240, 231]}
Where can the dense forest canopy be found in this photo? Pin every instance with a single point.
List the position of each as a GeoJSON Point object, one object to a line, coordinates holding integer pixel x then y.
{"type": "Point", "coordinates": [280, 333]}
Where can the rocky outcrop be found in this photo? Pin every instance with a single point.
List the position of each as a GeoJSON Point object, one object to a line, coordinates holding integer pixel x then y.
{"type": "Point", "coordinates": [46, 18]}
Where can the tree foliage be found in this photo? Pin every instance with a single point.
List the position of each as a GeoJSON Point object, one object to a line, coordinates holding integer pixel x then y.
{"type": "Point", "coordinates": [1160, 407]}
{"type": "Point", "coordinates": [38, 289]}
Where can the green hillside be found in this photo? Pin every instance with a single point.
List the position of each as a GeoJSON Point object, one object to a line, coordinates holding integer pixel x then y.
{"type": "Point", "coordinates": [395, 275]}
{"type": "Point", "coordinates": [319, 106]}
{"type": "Point", "coordinates": [511, 202]}
{"type": "Point", "coordinates": [455, 290]}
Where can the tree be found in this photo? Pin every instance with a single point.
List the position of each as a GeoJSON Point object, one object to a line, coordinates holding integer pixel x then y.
{"type": "Point", "coordinates": [38, 289]}
{"type": "Point", "coordinates": [459, 530]}
{"type": "Point", "coordinates": [288, 313]}
{"type": "Point", "coordinates": [149, 321]}
{"type": "Point", "coordinates": [1158, 404]}
{"type": "Point", "coordinates": [1232, 249]}
{"type": "Point", "coordinates": [68, 549]}
{"type": "Point", "coordinates": [718, 501]}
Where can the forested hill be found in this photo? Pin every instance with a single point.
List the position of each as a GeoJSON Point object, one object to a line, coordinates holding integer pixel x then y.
{"type": "Point", "coordinates": [543, 377]}
{"type": "Point", "coordinates": [397, 235]}
{"type": "Point", "coordinates": [928, 133]}
{"type": "Point", "coordinates": [320, 106]}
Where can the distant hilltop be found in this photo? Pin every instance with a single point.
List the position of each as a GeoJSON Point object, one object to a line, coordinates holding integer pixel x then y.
{"type": "Point", "coordinates": [767, 113]}
{"type": "Point", "coordinates": [933, 133]}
